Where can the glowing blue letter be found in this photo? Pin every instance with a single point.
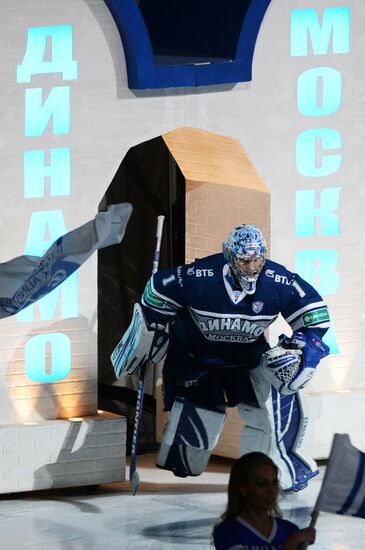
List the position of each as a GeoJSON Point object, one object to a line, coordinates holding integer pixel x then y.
{"type": "Point", "coordinates": [318, 268]}
{"type": "Point", "coordinates": [331, 340]}
{"type": "Point", "coordinates": [35, 172]}
{"type": "Point", "coordinates": [50, 222]}
{"type": "Point", "coordinates": [306, 152]}
{"type": "Point", "coordinates": [306, 212]}
{"type": "Point", "coordinates": [60, 357]}
{"type": "Point", "coordinates": [335, 23]}
{"type": "Point", "coordinates": [61, 48]}
{"type": "Point", "coordinates": [47, 306]}
{"type": "Point", "coordinates": [37, 115]}
{"type": "Point", "coordinates": [308, 99]}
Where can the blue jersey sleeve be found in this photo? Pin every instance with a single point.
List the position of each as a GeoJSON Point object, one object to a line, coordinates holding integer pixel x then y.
{"type": "Point", "coordinates": [305, 310]}
{"type": "Point", "coordinates": [285, 529]}
{"type": "Point", "coordinates": [163, 296]}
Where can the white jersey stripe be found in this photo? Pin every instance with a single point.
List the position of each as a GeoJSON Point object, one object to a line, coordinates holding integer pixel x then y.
{"type": "Point", "coordinates": [304, 309]}
{"type": "Point", "coordinates": [168, 313]}
{"type": "Point", "coordinates": [164, 297]}
{"type": "Point", "coordinates": [300, 324]}
{"type": "Point", "coordinates": [234, 315]}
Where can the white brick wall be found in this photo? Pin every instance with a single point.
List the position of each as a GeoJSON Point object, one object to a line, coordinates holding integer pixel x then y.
{"type": "Point", "coordinates": [62, 453]}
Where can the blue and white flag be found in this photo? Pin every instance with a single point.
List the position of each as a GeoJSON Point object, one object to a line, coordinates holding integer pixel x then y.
{"type": "Point", "coordinates": [26, 279]}
{"type": "Point", "coordinates": [343, 487]}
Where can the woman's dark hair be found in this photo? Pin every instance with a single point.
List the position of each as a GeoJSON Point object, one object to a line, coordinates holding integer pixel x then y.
{"type": "Point", "coordinates": [240, 474]}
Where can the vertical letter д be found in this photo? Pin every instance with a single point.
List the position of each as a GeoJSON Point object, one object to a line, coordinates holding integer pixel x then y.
{"type": "Point", "coordinates": [60, 42]}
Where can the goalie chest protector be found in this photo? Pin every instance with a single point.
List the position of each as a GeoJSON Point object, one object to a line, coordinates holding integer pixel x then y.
{"type": "Point", "coordinates": [208, 313]}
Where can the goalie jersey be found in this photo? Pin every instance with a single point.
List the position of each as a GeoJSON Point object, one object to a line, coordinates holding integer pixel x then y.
{"type": "Point", "coordinates": [210, 317]}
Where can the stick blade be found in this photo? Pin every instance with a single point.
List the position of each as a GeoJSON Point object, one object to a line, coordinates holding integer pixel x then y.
{"type": "Point", "coordinates": [135, 482]}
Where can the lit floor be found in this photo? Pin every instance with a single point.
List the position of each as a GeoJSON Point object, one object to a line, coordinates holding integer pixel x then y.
{"type": "Point", "coordinates": [166, 513]}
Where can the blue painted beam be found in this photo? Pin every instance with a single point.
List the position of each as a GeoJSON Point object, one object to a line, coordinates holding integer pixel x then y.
{"type": "Point", "coordinates": [144, 66]}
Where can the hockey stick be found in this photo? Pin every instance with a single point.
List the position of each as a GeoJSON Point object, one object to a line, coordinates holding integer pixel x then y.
{"type": "Point", "coordinates": [133, 474]}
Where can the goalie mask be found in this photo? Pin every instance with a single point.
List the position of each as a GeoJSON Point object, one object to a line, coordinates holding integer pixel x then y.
{"type": "Point", "coordinates": [245, 252]}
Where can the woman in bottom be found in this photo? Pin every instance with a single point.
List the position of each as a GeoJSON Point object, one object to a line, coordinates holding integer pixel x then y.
{"type": "Point", "coordinates": [252, 518]}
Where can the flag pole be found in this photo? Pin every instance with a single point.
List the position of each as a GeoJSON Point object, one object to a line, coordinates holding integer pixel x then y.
{"type": "Point", "coordinates": [316, 509]}
{"type": "Point", "coordinates": [314, 515]}
{"type": "Point", "coordinates": [342, 484]}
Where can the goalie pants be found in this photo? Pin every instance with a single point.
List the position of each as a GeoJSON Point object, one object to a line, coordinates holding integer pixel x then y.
{"type": "Point", "coordinates": [207, 381]}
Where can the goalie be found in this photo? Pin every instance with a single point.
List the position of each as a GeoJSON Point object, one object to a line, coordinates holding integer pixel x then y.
{"type": "Point", "coordinates": [217, 309]}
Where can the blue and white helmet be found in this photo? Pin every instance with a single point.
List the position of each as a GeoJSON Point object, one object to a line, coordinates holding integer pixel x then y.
{"type": "Point", "coordinates": [245, 252]}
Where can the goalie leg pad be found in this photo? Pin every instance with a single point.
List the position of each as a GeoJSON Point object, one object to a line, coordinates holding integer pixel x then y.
{"type": "Point", "coordinates": [190, 436]}
{"type": "Point", "coordinates": [277, 427]}
{"type": "Point", "coordinates": [139, 345]}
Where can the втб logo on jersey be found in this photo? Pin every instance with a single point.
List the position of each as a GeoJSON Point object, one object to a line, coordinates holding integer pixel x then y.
{"type": "Point", "coordinates": [204, 272]}
{"type": "Point", "coordinates": [277, 278]}
{"type": "Point", "coordinates": [229, 329]}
